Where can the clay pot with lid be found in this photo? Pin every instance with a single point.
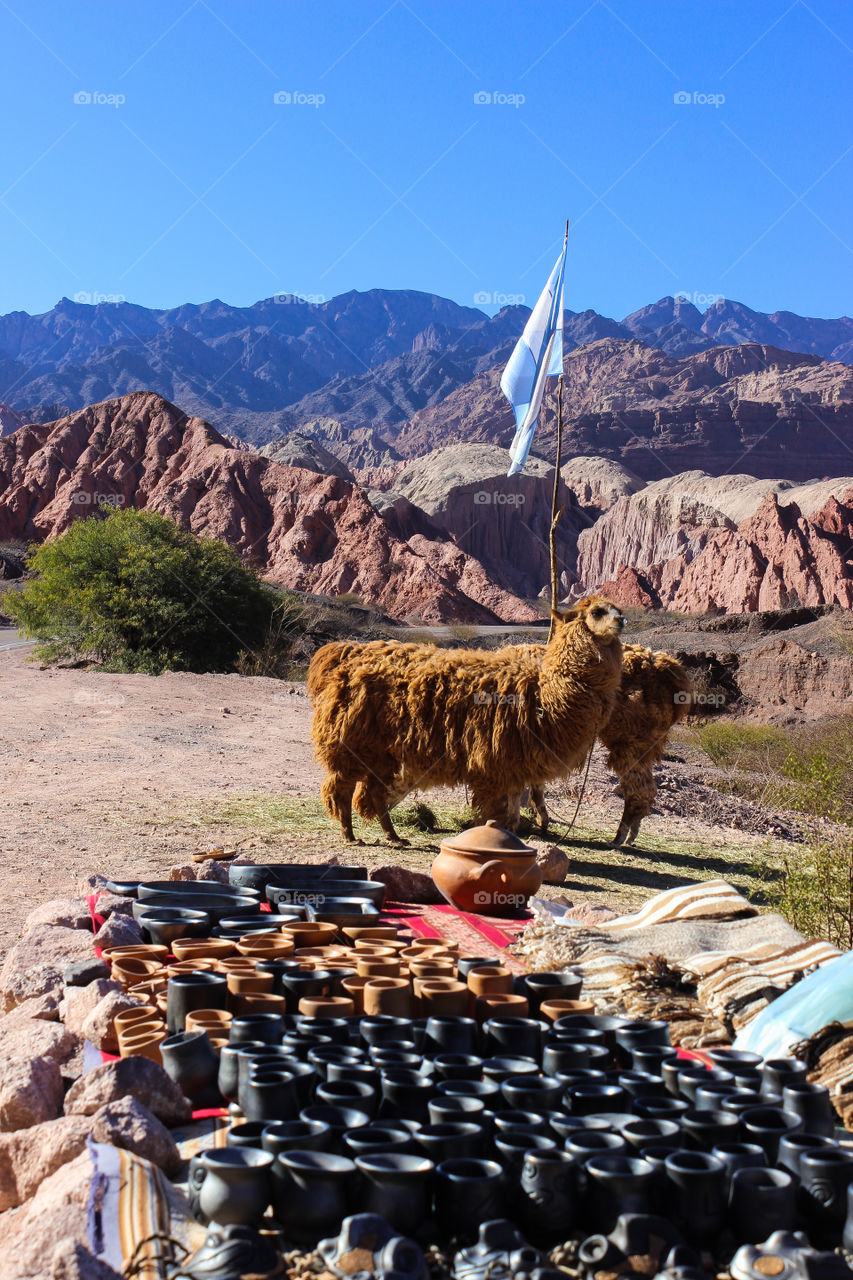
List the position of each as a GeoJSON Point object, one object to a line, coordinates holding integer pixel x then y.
{"type": "Point", "coordinates": [488, 871]}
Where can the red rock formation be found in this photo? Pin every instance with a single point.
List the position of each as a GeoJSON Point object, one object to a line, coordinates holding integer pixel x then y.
{"type": "Point", "coordinates": [305, 530]}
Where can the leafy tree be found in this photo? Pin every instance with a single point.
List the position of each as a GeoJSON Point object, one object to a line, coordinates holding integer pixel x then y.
{"type": "Point", "coordinates": [134, 592]}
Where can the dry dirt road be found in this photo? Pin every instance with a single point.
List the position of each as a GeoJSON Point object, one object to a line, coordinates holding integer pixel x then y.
{"type": "Point", "coordinates": [127, 775]}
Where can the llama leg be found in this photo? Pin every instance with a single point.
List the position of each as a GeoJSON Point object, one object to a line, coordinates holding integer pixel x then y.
{"type": "Point", "coordinates": [495, 806]}
{"type": "Point", "coordinates": [337, 796]}
{"type": "Point", "coordinates": [537, 804]}
{"type": "Point", "coordinates": [639, 790]}
{"type": "Point", "coordinates": [374, 800]}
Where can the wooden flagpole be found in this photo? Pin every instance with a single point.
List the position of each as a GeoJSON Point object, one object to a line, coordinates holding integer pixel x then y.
{"type": "Point", "coordinates": [556, 511]}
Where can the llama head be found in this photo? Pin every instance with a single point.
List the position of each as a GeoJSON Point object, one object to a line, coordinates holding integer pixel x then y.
{"type": "Point", "coordinates": [600, 616]}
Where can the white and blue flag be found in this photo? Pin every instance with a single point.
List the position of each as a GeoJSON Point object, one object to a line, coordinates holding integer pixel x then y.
{"type": "Point", "coordinates": [538, 354]}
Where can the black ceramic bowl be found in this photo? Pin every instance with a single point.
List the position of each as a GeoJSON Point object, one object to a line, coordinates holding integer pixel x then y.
{"type": "Point", "coordinates": [317, 892]}
{"type": "Point", "coordinates": [340, 911]}
{"type": "Point", "coordinates": [124, 888]}
{"type": "Point", "coordinates": [164, 924]}
{"type": "Point", "coordinates": [285, 873]}
{"type": "Point", "coordinates": [152, 888]}
{"type": "Point", "coordinates": [216, 905]}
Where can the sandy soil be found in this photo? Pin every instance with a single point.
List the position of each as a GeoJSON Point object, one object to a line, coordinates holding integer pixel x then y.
{"type": "Point", "coordinates": [128, 775]}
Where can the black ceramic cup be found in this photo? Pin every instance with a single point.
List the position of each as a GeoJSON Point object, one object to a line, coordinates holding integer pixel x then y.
{"type": "Point", "coordinates": [792, 1146]}
{"type": "Point", "coordinates": [706, 1129]}
{"type": "Point", "coordinates": [362, 1071]}
{"type": "Point", "coordinates": [229, 1056]}
{"type": "Point", "coordinates": [448, 1110]}
{"type": "Point", "coordinates": [311, 1192]}
{"type": "Point", "coordinates": [510, 1147]}
{"type": "Point", "coordinates": [254, 1027]}
{"type": "Point", "coordinates": [656, 1108]}
{"type": "Point", "coordinates": [500, 1069]}
{"type": "Point", "coordinates": [551, 986]}
{"type": "Point", "coordinates": [348, 1093]}
{"type": "Point", "coordinates": [644, 1134]}
{"type": "Point", "coordinates": [270, 1094]}
{"type": "Point", "coordinates": [397, 1187]}
{"type": "Point", "coordinates": [187, 992]}
{"type": "Point", "coordinates": [696, 1194]}
{"type": "Point", "coordinates": [779, 1072]}
{"type": "Point", "coordinates": [529, 1120]}
{"type": "Point", "coordinates": [743, 1100]}
{"type": "Point", "coordinates": [376, 1029]}
{"type": "Point", "coordinates": [376, 1139]}
{"type": "Point", "coordinates": [548, 1196]}
{"type": "Point", "coordinates": [811, 1102]}
{"type": "Point", "coordinates": [587, 1144]}
{"type": "Point", "coordinates": [761, 1201]}
{"type": "Point", "coordinates": [588, 1099]}
{"type": "Point", "coordinates": [513, 1037]}
{"type": "Point", "coordinates": [405, 1094]}
{"type": "Point", "coordinates": [466, 963]}
{"type": "Point", "coordinates": [532, 1093]}
{"type": "Point", "coordinates": [641, 1084]}
{"type": "Point", "coordinates": [740, 1155]}
{"type": "Point", "coordinates": [651, 1057]}
{"type": "Point", "coordinates": [825, 1174]}
{"type": "Point", "coordinates": [691, 1079]}
{"type": "Point", "coordinates": [248, 1134]}
{"type": "Point", "coordinates": [192, 1062]}
{"type": "Point", "coordinates": [631, 1035]}
{"type": "Point", "coordinates": [766, 1125]}
{"type": "Point", "coordinates": [488, 1090]}
{"type": "Point", "coordinates": [457, 1066]}
{"type": "Point", "coordinates": [451, 1140]}
{"type": "Point", "coordinates": [468, 1192]}
{"type": "Point", "coordinates": [296, 1135]}
{"type": "Point", "coordinates": [615, 1185]}
{"type": "Point", "coordinates": [447, 1034]}
{"type": "Point", "coordinates": [339, 1119]}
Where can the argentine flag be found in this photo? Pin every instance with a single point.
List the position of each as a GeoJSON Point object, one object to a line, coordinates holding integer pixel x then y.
{"type": "Point", "coordinates": [537, 355]}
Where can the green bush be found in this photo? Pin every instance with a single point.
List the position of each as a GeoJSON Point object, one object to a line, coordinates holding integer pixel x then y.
{"type": "Point", "coordinates": [749, 747]}
{"type": "Point", "coordinates": [815, 889]}
{"type": "Point", "coordinates": [134, 592]}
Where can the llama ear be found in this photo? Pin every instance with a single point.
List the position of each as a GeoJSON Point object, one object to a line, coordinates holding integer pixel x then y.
{"type": "Point", "coordinates": [564, 617]}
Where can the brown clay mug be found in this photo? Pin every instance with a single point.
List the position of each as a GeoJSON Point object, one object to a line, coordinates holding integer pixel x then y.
{"type": "Point", "coordinates": [388, 995]}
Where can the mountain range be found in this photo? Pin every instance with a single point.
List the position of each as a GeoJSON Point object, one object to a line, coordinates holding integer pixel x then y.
{"type": "Point", "coordinates": [373, 359]}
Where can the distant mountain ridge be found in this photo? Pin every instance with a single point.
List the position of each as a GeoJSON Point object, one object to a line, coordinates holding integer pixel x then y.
{"type": "Point", "coordinates": [364, 359]}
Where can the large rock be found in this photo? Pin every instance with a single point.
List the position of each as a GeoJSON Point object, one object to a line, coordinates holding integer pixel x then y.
{"type": "Point", "coordinates": [99, 1027]}
{"type": "Point", "coordinates": [31, 1155]}
{"type": "Point", "coordinates": [58, 1211]}
{"type": "Point", "coordinates": [43, 1008]}
{"type": "Point", "coordinates": [79, 1002]}
{"type": "Point", "coordinates": [82, 972]}
{"type": "Point", "coordinates": [31, 1092]}
{"type": "Point", "coordinates": [71, 913]}
{"type": "Point", "coordinates": [113, 904]}
{"type": "Point", "coordinates": [118, 931]}
{"type": "Point", "coordinates": [133, 1077]}
{"type": "Point", "coordinates": [127, 1123]}
{"type": "Point", "coordinates": [553, 863]}
{"type": "Point", "coordinates": [35, 965]}
{"type": "Point", "coordinates": [25, 1037]}
{"type": "Point", "coordinates": [405, 885]}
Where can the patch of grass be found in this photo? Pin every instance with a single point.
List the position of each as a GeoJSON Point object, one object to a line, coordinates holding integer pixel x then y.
{"type": "Point", "coordinates": [752, 748]}
{"type": "Point", "coordinates": [815, 889]}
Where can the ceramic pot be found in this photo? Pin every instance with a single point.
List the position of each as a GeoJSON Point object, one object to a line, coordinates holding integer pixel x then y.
{"type": "Point", "coordinates": [531, 1121]}
{"type": "Point", "coordinates": [208, 949]}
{"type": "Point", "coordinates": [405, 1095]}
{"type": "Point", "coordinates": [488, 1090]}
{"type": "Point", "coordinates": [761, 1201]}
{"type": "Point", "coordinates": [250, 1003]}
{"type": "Point", "coordinates": [766, 1125]}
{"type": "Point", "coordinates": [132, 969]}
{"type": "Point", "coordinates": [295, 1135]}
{"type": "Point", "coordinates": [267, 1028]}
{"type": "Point", "coordinates": [487, 870]}
{"type": "Point", "coordinates": [467, 1192]}
{"type": "Point", "coordinates": [641, 1084]}
{"type": "Point", "coordinates": [825, 1174]}
{"type": "Point", "coordinates": [451, 1140]}
{"type": "Point", "coordinates": [467, 963]}
{"type": "Point", "coordinates": [348, 1093]}
{"type": "Point", "coordinates": [457, 1066]}
{"type": "Point", "coordinates": [236, 1185]}
{"type": "Point", "coordinates": [340, 1121]}
{"type": "Point", "coordinates": [562, 1057]}
{"type": "Point", "coordinates": [690, 1079]}
{"type": "Point", "coordinates": [360, 1071]}
{"type": "Point", "coordinates": [566, 1126]}
{"type": "Point", "coordinates": [144, 1042]}
{"type": "Point", "coordinates": [779, 1072]}
{"type": "Point", "coordinates": [740, 1155]}
{"type": "Point", "coordinates": [326, 1007]}
{"type": "Point", "coordinates": [811, 1103]}
{"type": "Point", "coordinates": [696, 1194]}
{"type": "Point", "coordinates": [644, 1135]}
{"type": "Point", "coordinates": [388, 996]}
{"type": "Point", "coordinates": [310, 1192]}
{"type": "Point", "coordinates": [325, 1055]}
{"type": "Point", "coordinates": [651, 1057]}
{"type": "Point", "coordinates": [490, 980]}
{"type": "Point", "coordinates": [375, 1139]}
{"type": "Point", "coordinates": [743, 1100]}
{"type": "Point", "coordinates": [353, 988]}
{"type": "Point", "coordinates": [460, 1110]}
{"type": "Point", "coordinates": [317, 933]}
{"type": "Point", "coordinates": [246, 1134]}
{"type": "Point", "coordinates": [371, 967]}
{"type": "Point", "coordinates": [191, 1061]}
{"type": "Point", "coordinates": [656, 1157]}
{"type": "Point", "coordinates": [706, 1129]}
{"type": "Point", "coordinates": [532, 1093]}
{"type": "Point", "coordinates": [162, 925]}
{"type": "Point", "coordinates": [443, 998]}
{"type": "Point", "coordinates": [554, 1010]}
{"type": "Point", "coordinates": [614, 1185]}
{"type": "Point", "coordinates": [511, 1146]}
{"type": "Point", "coordinates": [500, 1006]}
{"type": "Point", "coordinates": [450, 1034]}
{"type": "Point", "coordinates": [500, 1069]}
{"type": "Point", "coordinates": [709, 1097]}
{"type": "Point", "coordinates": [639, 1032]}
{"type": "Point", "coordinates": [378, 1029]}
{"type": "Point", "coordinates": [793, 1145]}
{"type": "Point", "coordinates": [248, 982]}
{"type": "Point", "coordinates": [514, 1036]}
{"type": "Point", "coordinates": [270, 1094]}
{"type": "Point", "coordinates": [229, 1055]}
{"type": "Point", "coordinates": [589, 1144]}
{"type": "Point", "coordinates": [141, 1013]}
{"type": "Point", "coordinates": [551, 986]}
{"type": "Point", "coordinates": [332, 1030]}
{"type": "Point", "coordinates": [251, 1060]}
{"type": "Point", "coordinates": [587, 1099]}
{"type": "Point", "coordinates": [213, 1021]}
{"type": "Point", "coordinates": [396, 1186]}
{"type": "Point", "coordinates": [193, 991]}
{"type": "Point", "coordinates": [383, 1059]}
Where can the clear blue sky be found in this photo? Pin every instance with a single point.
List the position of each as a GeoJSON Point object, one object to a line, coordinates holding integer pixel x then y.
{"type": "Point", "coordinates": [200, 185]}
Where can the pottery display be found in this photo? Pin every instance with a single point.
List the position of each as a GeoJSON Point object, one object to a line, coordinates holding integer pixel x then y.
{"type": "Point", "coordinates": [487, 870]}
{"type": "Point", "coordinates": [191, 1061]}
{"type": "Point", "coordinates": [311, 1192]}
{"type": "Point", "coordinates": [233, 1185]}
{"type": "Point", "coordinates": [467, 1192]}
{"type": "Point", "coordinates": [189, 991]}
{"type": "Point", "coordinates": [398, 1186]}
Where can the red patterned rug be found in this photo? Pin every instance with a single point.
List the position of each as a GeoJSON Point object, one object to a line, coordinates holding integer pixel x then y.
{"type": "Point", "coordinates": [476, 935]}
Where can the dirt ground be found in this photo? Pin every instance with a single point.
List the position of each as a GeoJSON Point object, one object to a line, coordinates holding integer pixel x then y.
{"type": "Point", "coordinates": [128, 775]}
